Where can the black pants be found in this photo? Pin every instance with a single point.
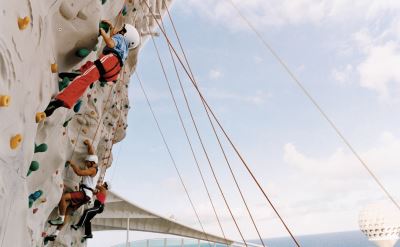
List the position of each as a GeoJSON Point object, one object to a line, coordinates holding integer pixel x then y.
{"type": "Point", "coordinates": [88, 215]}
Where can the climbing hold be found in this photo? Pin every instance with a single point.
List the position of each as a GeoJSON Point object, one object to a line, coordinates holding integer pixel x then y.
{"type": "Point", "coordinates": [15, 141]}
{"type": "Point", "coordinates": [41, 148]}
{"type": "Point", "coordinates": [4, 100]}
{"type": "Point", "coordinates": [82, 53]}
{"type": "Point", "coordinates": [124, 10]}
{"type": "Point", "coordinates": [43, 200]}
{"type": "Point", "coordinates": [65, 124]}
{"type": "Point", "coordinates": [84, 130]}
{"type": "Point", "coordinates": [91, 85]}
{"type": "Point", "coordinates": [77, 106]}
{"type": "Point", "coordinates": [126, 106]}
{"type": "Point", "coordinates": [103, 1]}
{"type": "Point", "coordinates": [34, 196]}
{"type": "Point", "coordinates": [40, 116]}
{"type": "Point", "coordinates": [105, 26]}
{"type": "Point", "coordinates": [33, 167]}
{"type": "Point", "coordinates": [95, 100]}
{"type": "Point", "coordinates": [103, 83]}
{"type": "Point", "coordinates": [89, 96]}
{"type": "Point", "coordinates": [35, 210]}
{"type": "Point", "coordinates": [23, 22]}
{"type": "Point", "coordinates": [44, 234]}
{"type": "Point", "coordinates": [54, 68]}
{"type": "Point", "coordinates": [63, 83]}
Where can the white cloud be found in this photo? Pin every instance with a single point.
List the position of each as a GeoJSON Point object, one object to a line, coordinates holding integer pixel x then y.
{"type": "Point", "coordinates": [380, 69]}
{"type": "Point", "coordinates": [288, 12]}
{"type": "Point", "coordinates": [215, 74]}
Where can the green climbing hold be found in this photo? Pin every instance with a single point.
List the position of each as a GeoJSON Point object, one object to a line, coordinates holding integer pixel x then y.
{"type": "Point", "coordinates": [33, 167]}
{"type": "Point", "coordinates": [41, 148]}
{"type": "Point", "coordinates": [34, 196]}
{"type": "Point", "coordinates": [65, 124]}
{"type": "Point", "coordinates": [104, 26]}
{"type": "Point", "coordinates": [95, 100]}
{"type": "Point", "coordinates": [82, 53]}
{"type": "Point", "coordinates": [103, 83]}
{"type": "Point", "coordinates": [63, 83]}
{"type": "Point", "coordinates": [103, 1]}
{"type": "Point", "coordinates": [124, 10]}
{"type": "Point", "coordinates": [77, 106]}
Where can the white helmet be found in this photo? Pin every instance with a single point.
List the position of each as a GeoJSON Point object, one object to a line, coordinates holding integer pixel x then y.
{"type": "Point", "coordinates": [132, 36]}
{"type": "Point", "coordinates": [92, 158]}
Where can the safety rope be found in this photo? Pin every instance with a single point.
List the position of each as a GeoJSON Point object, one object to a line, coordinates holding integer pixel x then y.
{"type": "Point", "coordinates": [171, 157]}
{"type": "Point", "coordinates": [189, 142]}
{"type": "Point", "coordinates": [204, 150]}
{"type": "Point", "coordinates": [216, 119]}
{"type": "Point", "coordinates": [219, 142]}
{"type": "Point", "coordinates": [315, 103]}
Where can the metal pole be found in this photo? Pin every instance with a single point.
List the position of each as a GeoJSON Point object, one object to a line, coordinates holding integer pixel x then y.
{"type": "Point", "coordinates": [127, 232]}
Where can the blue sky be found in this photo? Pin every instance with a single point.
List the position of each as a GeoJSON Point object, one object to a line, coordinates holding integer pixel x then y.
{"type": "Point", "coordinates": [345, 53]}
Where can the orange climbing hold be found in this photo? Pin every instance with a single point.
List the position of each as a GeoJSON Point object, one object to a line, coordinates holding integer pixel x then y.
{"type": "Point", "coordinates": [23, 22]}
{"type": "Point", "coordinates": [40, 116]}
{"type": "Point", "coordinates": [15, 141]}
{"type": "Point", "coordinates": [54, 68]}
{"type": "Point", "coordinates": [4, 100]}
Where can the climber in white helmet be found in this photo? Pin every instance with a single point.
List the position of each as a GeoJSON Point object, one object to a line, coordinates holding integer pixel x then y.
{"type": "Point", "coordinates": [71, 201]}
{"type": "Point", "coordinates": [104, 69]}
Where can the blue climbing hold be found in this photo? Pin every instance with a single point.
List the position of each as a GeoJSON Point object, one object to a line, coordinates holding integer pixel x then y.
{"type": "Point", "coordinates": [77, 106]}
{"type": "Point", "coordinates": [34, 196]}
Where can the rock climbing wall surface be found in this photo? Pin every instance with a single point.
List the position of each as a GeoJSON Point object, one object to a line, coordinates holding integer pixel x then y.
{"type": "Point", "coordinates": [38, 39]}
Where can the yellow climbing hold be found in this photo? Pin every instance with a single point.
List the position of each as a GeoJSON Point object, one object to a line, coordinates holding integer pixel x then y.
{"type": "Point", "coordinates": [40, 116]}
{"type": "Point", "coordinates": [23, 22]}
{"type": "Point", "coordinates": [54, 68]}
{"type": "Point", "coordinates": [15, 141]}
{"type": "Point", "coordinates": [4, 100]}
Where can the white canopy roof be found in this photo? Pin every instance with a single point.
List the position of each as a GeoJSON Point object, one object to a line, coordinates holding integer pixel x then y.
{"type": "Point", "coordinates": [118, 210]}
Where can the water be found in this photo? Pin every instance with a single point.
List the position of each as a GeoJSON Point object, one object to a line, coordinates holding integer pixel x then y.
{"type": "Point", "coordinates": [340, 239]}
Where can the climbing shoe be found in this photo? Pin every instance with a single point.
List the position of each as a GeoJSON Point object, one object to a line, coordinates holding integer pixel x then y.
{"type": "Point", "coordinates": [53, 105]}
{"type": "Point", "coordinates": [49, 238]}
{"type": "Point", "coordinates": [75, 227]}
{"type": "Point", "coordinates": [56, 222]}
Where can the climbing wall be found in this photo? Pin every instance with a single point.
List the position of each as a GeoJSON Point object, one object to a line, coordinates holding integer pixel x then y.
{"type": "Point", "coordinates": [38, 39]}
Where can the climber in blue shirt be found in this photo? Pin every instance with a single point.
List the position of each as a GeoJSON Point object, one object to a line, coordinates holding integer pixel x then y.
{"type": "Point", "coordinates": [105, 69]}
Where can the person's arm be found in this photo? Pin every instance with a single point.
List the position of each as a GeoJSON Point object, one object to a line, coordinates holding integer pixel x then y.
{"type": "Point", "coordinates": [107, 39]}
{"type": "Point", "coordinates": [113, 31]}
{"type": "Point", "coordinates": [86, 172]}
{"type": "Point", "coordinates": [90, 149]}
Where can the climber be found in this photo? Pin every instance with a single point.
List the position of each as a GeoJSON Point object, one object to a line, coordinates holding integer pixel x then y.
{"type": "Point", "coordinates": [106, 68]}
{"type": "Point", "coordinates": [90, 213]}
{"type": "Point", "coordinates": [73, 200]}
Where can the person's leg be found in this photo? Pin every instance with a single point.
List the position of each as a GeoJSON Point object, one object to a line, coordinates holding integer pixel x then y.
{"type": "Point", "coordinates": [88, 228]}
{"type": "Point", "coordinates": [81, 220]}
{"type": "Point", "coordinates": [64, 203]}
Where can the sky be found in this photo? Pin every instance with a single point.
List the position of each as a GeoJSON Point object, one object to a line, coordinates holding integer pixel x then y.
{"type": "Point", "coordinates": [345, 53]}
